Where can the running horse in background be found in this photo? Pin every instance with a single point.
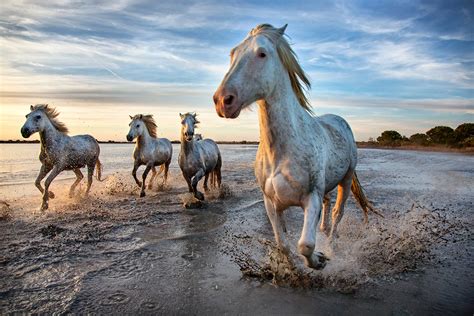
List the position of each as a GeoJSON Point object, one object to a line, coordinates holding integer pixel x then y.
{"type": "Point", "coordinates": [198, 158]}
{"type": "Point", "coordinates": [301, 158]}
{"type": "Point", "coordinates": [59, 151]}
{"type": "Point", "coordinates": [149, 150]}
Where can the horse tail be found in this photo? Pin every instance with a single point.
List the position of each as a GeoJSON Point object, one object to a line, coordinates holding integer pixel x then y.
{"type": "Point", "coordinates": [99, 169]}
{"type": "Point", "coordinates": [217, 171]}
{"type": "Point", "coordinates": [361, 199]}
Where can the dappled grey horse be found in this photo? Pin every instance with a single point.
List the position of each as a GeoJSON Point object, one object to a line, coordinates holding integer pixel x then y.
{"type": "Point", "coordinates": [198, 158]}
{"type": "Point", "coordinates": [149, 150]}
{"type": "Point", "coordinates": [301, 158]}
{"type": "Point", "coordinates": [59, 151]}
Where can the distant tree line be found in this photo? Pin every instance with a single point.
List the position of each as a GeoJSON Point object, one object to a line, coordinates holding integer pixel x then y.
{"type": "Point", "coordinates": [462, 136]}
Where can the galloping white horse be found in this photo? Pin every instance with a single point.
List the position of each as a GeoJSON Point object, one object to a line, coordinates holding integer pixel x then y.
{"type": "Point", "coordinates": [301, 158]}
{"type": "Point", "coordinates": [198, 158]}
{"type": "Point", "coordinates": [149, 150]}
{"type": "Point", "coordinates": [59, 151]}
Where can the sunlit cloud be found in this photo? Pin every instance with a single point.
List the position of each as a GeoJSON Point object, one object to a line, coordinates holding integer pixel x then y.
{"type": "Point", "coordinates": [101, 61]}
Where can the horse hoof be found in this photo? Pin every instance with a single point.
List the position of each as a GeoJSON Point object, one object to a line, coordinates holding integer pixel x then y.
{"type": "Point", "coordinates": [142, 194]}
{"type": "Point", "coordinates": [199, 196]}
{"type": "Point", "coordinates": [51, 195]}
{"type": "Point", "coordinates": [43, 207]}
{"type": "Point", "coordinates": [317, 261]}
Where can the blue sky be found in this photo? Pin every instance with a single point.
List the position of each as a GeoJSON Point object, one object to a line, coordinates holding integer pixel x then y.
{"type": "Point", "coordinates": [404, 65]}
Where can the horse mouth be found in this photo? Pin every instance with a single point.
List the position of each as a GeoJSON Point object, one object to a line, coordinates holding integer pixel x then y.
{"type": "Point", "coordinates": [189, 138]}
{"type": "Point", "coordinates": [229, 112]}
{"type": "Point", "coordinates": [25, 134]}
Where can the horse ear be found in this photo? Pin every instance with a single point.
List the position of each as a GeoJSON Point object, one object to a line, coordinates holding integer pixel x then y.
{"type": "Point", "coordinates": [131, 117]}
{"type": "Point", "coordinates": [181, 115]}
{"type": "Point", "coordinates": [282, 29]}
{"type": "Point", "coordinates": [194, 114]}
{"type": "Point", "coordinates": [31, 107]}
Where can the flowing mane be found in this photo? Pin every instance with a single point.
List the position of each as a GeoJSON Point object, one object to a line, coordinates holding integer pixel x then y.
{"type": "Point", "coordinates": [149, 123]}
{"type": "Point", "coordinates": [52, 114]}
{"type": "Point", "coordinates": [298, 78]}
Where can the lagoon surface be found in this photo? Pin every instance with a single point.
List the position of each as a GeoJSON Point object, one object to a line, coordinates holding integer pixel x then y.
{"type": "Point", "coordinates": [114, 252]}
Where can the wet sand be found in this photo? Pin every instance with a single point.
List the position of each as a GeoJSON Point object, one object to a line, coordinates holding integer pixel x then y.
{"type": "Point", "coordinates": [114, 252]}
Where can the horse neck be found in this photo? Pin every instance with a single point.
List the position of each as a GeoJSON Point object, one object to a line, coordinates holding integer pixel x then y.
{"type": "Point", "coordinates": [50, 136]}
{"type": "Point", "coordinates": [282, 119]}
{"type": "Point", "coordinates": [144, 139]}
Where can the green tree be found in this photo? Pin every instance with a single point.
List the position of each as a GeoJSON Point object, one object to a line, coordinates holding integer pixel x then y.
{"type": "Point", "coordinates": [442, 135]}
{"type": "Point", "coordinates": [468, 142]}
{"type": "Point", "coordinates": [420, 139]}
{"type": "Point", "coordinates": [464, 131]}
{"type": "Point", "coordinates": [390, 138]}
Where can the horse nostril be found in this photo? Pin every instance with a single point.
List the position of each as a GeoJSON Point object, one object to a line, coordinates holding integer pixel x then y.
{"type": "Point", "coordinates": [228, 99]}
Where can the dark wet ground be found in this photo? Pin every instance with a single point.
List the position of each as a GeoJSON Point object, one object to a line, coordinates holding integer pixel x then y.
{"type": "Point", "coordinates": [117, 253]}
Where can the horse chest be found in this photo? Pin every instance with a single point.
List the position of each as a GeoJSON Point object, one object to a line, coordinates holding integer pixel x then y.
{"type": "Point", "coordinates": [283, 184]}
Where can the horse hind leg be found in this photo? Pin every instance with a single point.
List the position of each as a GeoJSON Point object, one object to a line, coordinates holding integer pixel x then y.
{"type": "Point", "coordinates": [217, 172]}
{"type": "Point", "coordinates": [79, 177]}
{"type": "Point", "coordinates": [167, 168]}
{"type": "Point", "coordinates": [343, 191]}
{"type": "Point", "coordinates": [90, 174]}
{"type": "Point", "coordinates": [206, 177]}
{"type": "Point", "coordinates": [324, 225]}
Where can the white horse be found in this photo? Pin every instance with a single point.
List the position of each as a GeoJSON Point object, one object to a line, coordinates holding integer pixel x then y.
{"type": "Point", "coordinates": [59, 151]}
{"type": "Point", "coordinates": [301, 158]}
{"type": "Point", "coordinates": [149, 150]}
{"type": "Point", "coordinates": [198, 158]}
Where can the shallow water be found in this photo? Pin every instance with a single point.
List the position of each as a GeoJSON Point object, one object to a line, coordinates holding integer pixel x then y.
{"type": "Point", "coordinates": [116, 252]}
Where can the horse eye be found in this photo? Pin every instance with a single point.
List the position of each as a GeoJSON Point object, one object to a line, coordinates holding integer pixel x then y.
{"type": "Point", "coordinates": [37, 117]}
{"type": "Point", "coordinates": [138, 125]}
{"type": "Point", "coordinates": [262, 55]}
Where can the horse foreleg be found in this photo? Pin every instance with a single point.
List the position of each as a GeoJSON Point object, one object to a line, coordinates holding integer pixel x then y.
{"type": "Point", "coordinates": [47, 183]}
{"type": "Point", "coordinates": [153, 175]}
{"type": "Point", "coordinates": [145, 173]}
{"type": "Point", "coordinates": [343, 191]}
{"type": "Point", "coordinates": [194, 182]}
{"type": "Point", "coordinates": [307, 242]}
{"type": "Point", "coordinates": [43, 172]}
{"type": "Point", "coordinates": [79, 177]}
{"type": "Point", "coordinates": [134, 173]}
{"type": "Point", "coordinates": [90, 174]}
{"type": "Point", "coordinates": [324, 226]}
{"type": "Point", "coordinates": [276, 220]}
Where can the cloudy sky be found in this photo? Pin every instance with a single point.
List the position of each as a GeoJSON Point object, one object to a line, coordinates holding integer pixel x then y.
{"type": "Point", "coordinates": [404, 65]}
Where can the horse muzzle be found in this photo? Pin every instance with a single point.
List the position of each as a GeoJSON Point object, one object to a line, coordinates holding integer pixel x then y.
{"type": "Point", "coordinates": [188, 136]}
{"type": "Point", "coordinates": [227, 104]}
{"type": "Point", "coordinates": [25, 132]}
{"type": "Point", "coordinates": [129, 137]}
